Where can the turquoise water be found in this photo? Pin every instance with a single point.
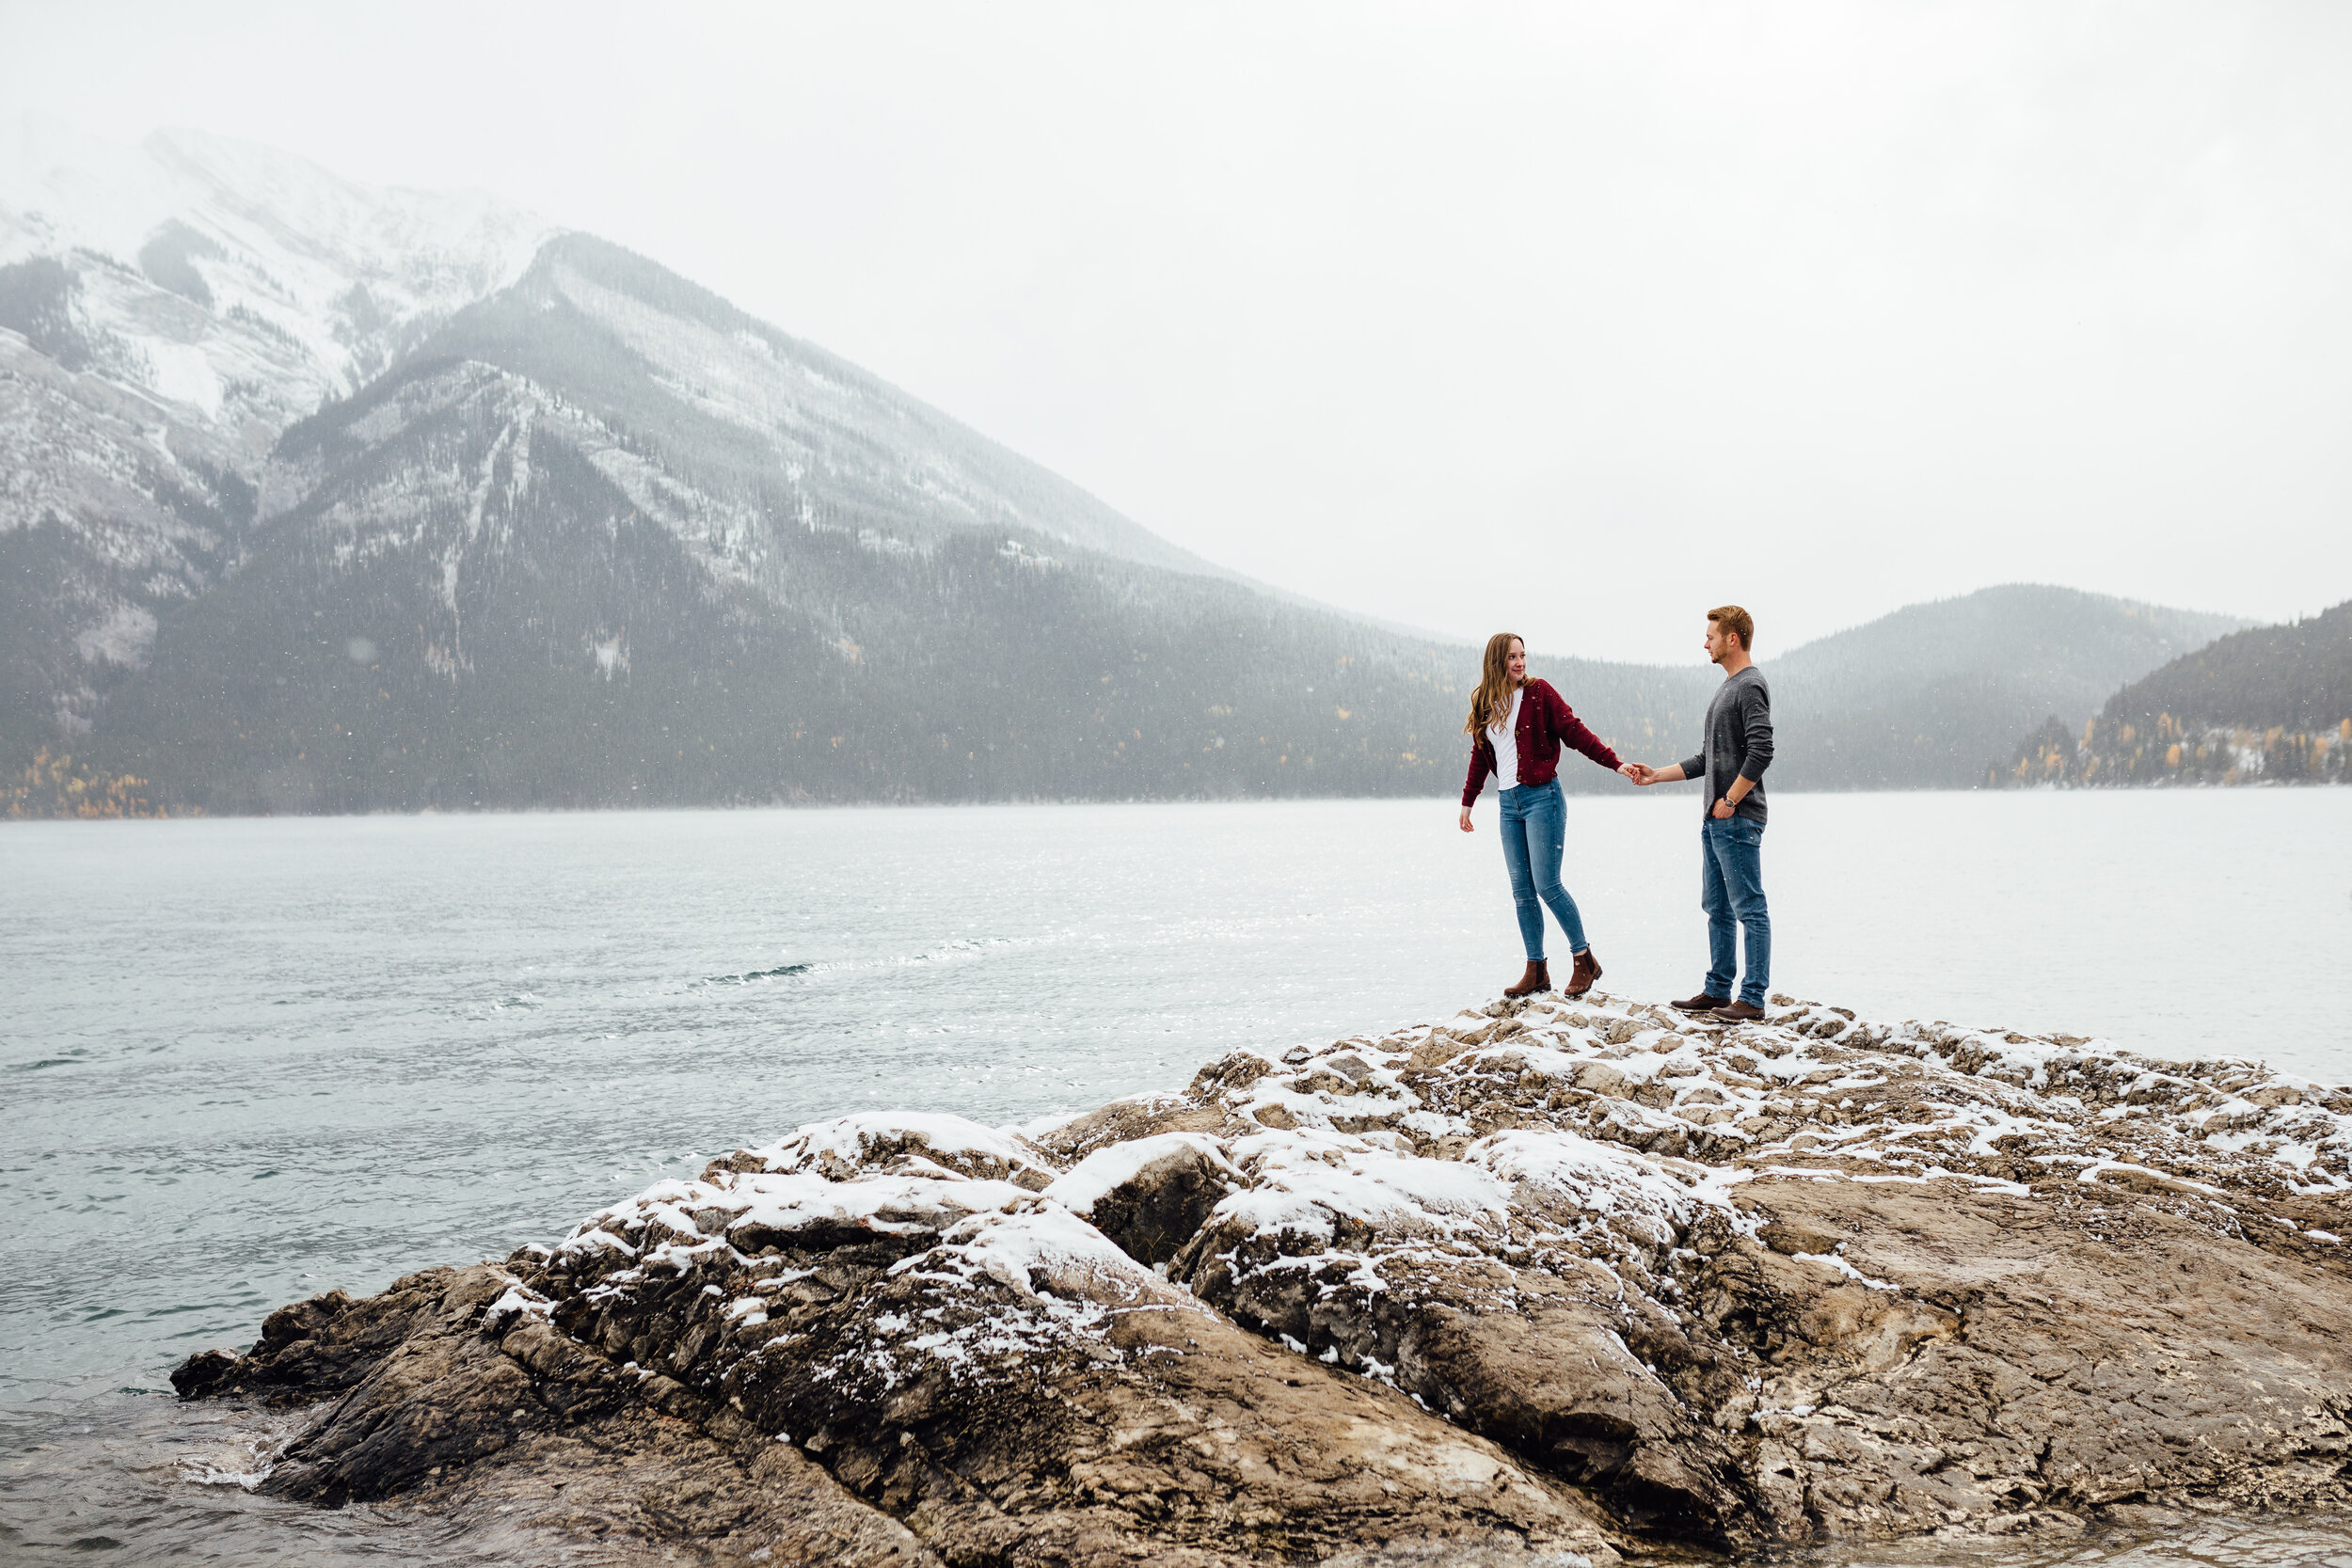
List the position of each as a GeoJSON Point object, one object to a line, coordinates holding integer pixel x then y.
{"type": "Point", "coordinates": [246, 1061]}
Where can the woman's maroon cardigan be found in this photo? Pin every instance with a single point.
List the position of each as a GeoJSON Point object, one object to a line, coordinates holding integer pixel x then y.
{"type": "Point", "coordinates": [1545, 721]}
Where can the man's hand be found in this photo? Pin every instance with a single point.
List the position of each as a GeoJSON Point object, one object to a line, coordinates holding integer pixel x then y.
{"type": "Point", "coordinates": [1466, 821]}
{"type": "Point", "coordinates": [1723, 810]}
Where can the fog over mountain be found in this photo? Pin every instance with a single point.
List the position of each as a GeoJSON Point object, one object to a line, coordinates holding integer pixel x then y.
{"type": "Point", "coordinates": [323, 496]}
{"type": "Point", "coordinates": [1927, 696]}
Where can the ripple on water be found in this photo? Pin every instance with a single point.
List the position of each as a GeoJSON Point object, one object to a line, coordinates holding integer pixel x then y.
{"type": "Point", "coordinates": [146, 1479]}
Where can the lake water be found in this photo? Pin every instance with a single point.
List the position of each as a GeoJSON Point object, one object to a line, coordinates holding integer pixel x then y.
{"type": "Point", "coordinates": [246, 1061]}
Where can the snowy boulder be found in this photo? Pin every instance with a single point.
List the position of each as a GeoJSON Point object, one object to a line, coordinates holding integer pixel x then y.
{"type": "Point", "coordinates": [1149, 1196]}
{"type": "Point", "coordinates": [1408, 1270]}
{"type": "Point", "coordinates": [1531, 1284]}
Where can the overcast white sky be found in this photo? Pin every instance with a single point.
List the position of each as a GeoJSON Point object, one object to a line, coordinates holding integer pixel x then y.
{"type": "Point", "coordinates": [1577, 318]}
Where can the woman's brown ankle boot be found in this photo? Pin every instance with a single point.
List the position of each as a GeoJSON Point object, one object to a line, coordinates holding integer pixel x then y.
{"type": "Point", "coordinates": [1539, 978]}
{"type": "Point", "coordinates": [1587, 970]}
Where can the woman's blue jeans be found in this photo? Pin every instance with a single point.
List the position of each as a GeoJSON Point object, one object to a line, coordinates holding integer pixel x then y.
{"type": "Point", "coordinates": [1535, 831]}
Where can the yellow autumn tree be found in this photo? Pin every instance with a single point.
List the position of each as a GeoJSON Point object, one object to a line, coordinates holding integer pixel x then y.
{"type": "Point", "coordinates": [54, 785]}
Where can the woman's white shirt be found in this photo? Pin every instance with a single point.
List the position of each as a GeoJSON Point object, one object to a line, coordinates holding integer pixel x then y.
{"type": "Point", "coordinates": [1505, 740]}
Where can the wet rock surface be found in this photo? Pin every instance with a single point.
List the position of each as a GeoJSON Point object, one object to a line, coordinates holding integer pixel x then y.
{"type": "Point", "coordinates": [1530, 1286]}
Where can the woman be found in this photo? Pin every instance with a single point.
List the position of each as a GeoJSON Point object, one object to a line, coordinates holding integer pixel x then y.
{"type": "Point", "coordinates": [1517, 726]}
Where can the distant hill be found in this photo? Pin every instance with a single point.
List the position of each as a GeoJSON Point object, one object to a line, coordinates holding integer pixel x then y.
{"type": "Point", "coordinates": [2269, 704]}
{"type": "Point", "coordinates": [1927, 696]}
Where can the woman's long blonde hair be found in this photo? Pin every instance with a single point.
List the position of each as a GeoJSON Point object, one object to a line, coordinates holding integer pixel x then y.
{"type": "Point", "coordinates": [1491, 704]}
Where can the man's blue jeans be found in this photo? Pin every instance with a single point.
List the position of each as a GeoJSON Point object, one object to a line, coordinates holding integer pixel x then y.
{"type": "Point", "coordinates": [1731, 890]}
{"type": "Point", "coordinates": [1535, 831]}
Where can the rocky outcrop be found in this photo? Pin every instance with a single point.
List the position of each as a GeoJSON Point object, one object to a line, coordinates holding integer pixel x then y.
{"type": "Point", "coordinates": [1521, 1287]}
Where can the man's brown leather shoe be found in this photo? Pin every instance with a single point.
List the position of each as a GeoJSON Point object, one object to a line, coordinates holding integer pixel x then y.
{"type": "Point", "coordinates": [1740, 1012]}
{"type": "Point", "coordinates": [1587, 970]}
{"type": "Point", "coordinates": [1539, 978]}
{"type": "Point", "coordinates": [1700, 1004]}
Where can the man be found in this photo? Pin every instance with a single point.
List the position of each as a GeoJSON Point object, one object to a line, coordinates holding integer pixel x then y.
{"type": "Point", "coordinates": [1735, 750]}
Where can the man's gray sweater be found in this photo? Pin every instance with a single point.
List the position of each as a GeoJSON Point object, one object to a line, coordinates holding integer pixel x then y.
{"type": "Point", "coordinates": [1739, 743]}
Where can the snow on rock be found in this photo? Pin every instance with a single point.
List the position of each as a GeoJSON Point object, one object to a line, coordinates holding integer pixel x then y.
{"type": "Point", "coordinates": [123, 638]}
{"type": "Point", "coordinates": [1106, 1170]}
{"type": "Point", "coordinates": [1310, 1188]}
{"type": "Point", "coordinates": [1604, 1181]}
{"type": "Point", "coordinates": [878, 1174]}
{"type": "Point", "coordinates": [1035, 1249]}
{"type": "Point", "coordinates": [908, 1141]}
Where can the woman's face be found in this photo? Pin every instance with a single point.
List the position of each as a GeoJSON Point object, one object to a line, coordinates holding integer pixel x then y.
{"type": "Point", "coordinates": [1516, 661]}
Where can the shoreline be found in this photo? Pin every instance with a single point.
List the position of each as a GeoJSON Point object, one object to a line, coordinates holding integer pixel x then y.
{"type": "Point", "coordinates": [2197, 786]}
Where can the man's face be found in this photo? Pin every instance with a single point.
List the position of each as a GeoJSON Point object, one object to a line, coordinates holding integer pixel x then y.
{"type": "Point", "coordinates": [1717, 644]}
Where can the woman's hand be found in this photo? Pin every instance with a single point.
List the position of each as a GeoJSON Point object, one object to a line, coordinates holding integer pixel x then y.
{"type": "Point", "coordinates": [1466, 821]}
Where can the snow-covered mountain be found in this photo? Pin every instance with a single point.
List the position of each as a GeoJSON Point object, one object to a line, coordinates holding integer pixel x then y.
{"type": "Point", "coordinates": [166, 311]}
{"type": "Point", "coordinates": [241, 283]}
{"type": "Point", "coordinates": [254, 417]}
{"type": "Point", "coordinates": [768, 421]}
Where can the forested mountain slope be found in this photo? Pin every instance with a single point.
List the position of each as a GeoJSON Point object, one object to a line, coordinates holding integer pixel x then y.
{"type": "Point", "coordinates": [2270, 704]}
{"type": "Point", "coordinates": [2298, 675]}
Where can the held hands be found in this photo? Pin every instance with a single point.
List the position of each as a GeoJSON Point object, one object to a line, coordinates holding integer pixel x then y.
{"type": "Point", "coordinates": [1639, 773]}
